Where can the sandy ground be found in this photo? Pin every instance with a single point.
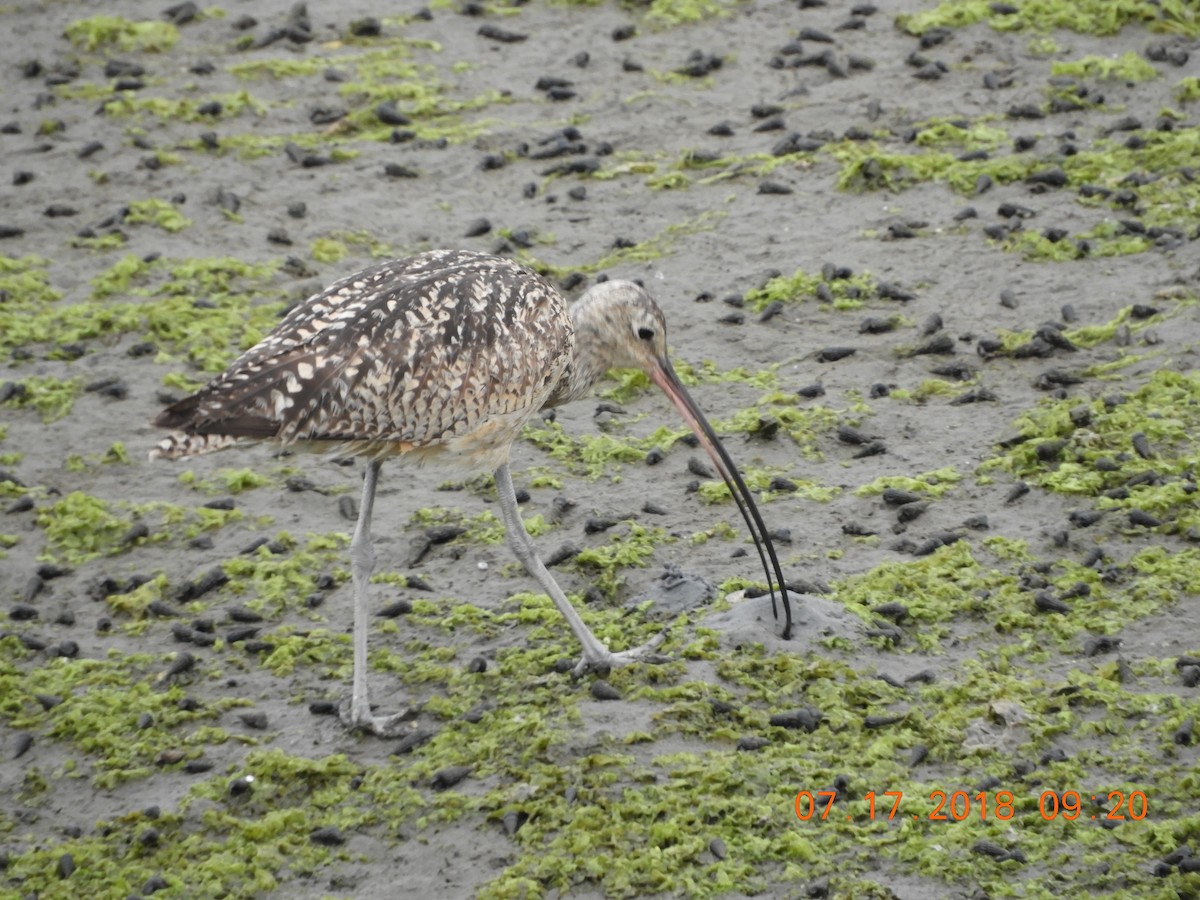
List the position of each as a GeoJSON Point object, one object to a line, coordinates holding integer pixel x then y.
{"type": "Point", "coordinates": [123, 742]}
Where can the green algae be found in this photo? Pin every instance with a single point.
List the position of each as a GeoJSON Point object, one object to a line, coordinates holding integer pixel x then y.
{"type": "Point", "coordinates": [1168, 198]}
{"type": "Point", "coordinates": [272, 582]}
{"type": "Point", "coordinates": [210, 108]}
{"type": "Point", "coordinates": [80, 527]}
{"type": "Point", "coordinates": [1188, 89]}
{"type": "Point", "coordinates": [1105, 239]}
{"type": "Point", "coordinates": [116, 712]}
{"type": "Point", "coordinates": [847, 293]}
{"type": "Point", "coordinates": [650, 249]}
{"type": "Point", "coordinates": [1098, 460]}
{"type": "Point", "coordinates": [977, 135]}
{"type": "Point", "coordinates": [593, 455]}
{"type": "Point", "coordinates": [363, 240]}
{"type": "Point", "coordinates": [931, 484]}
{"type": "Point", "coordinates": [678, 12]}
{"type": "Point", "coordinates": [928, 389]}
{"type": "Point", "coordinates": [227, 481]}
{"type": "Point", "coordinates": [328, 250]}
{"type": "Point", "coordinates": [218, 843]}
{"type": "Point", "coordinates": [1098, 17]}
{"type": "Point", "coordinates": [956, 586]}
{"type": "Point", "coordinates": [123, 34]}
{"type": "Point", "coordinates": [1129, 67]}
{"type": "Point", "coordinates": [51, 397]}
{"type": "Point", "coordinates": [632, 549]}
{"type": "Point", "coordinates": [160, 213]}
{"type": "Point", "coordinates": [209, 309]}
{"type": "Point", "coordinates": [760, 482]}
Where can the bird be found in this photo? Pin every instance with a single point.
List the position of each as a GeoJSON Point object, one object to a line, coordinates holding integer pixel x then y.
{"type": "Point", "coordinates": [443, 358]}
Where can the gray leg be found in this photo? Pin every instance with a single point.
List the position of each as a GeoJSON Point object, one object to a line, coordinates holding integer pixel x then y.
{"type": "Point", "coordinates": [362, 564]}
{"type": "Point", "coordinates": [595, 654]}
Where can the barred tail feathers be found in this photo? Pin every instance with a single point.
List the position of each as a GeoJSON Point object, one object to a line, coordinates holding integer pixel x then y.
{"type": "Point", "coordinates": [177, 445]}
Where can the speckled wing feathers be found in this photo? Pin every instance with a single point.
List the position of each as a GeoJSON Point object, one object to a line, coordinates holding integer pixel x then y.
{"type": "Point", "coordinates": [424, 353]}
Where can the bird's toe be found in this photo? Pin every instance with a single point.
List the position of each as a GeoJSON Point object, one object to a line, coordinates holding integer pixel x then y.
{"type": "Point", "coordinates": [360, 718]}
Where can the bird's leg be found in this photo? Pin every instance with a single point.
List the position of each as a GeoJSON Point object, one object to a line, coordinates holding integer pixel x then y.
{"type": "Point", "coordinates": [595, 654]}
{"type": "Point", "coordinates": [357, 714]}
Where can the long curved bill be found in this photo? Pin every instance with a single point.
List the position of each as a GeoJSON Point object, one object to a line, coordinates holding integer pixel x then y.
{"type": "Point", "coordinates": [663, 374]}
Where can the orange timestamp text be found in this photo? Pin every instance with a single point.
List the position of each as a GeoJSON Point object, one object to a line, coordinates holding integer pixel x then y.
{"type": "Point", "coordinates": [959, 806]}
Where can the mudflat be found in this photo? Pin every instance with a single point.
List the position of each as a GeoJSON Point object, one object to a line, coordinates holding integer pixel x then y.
{"type": "Point", "coordinates": [932, 271]}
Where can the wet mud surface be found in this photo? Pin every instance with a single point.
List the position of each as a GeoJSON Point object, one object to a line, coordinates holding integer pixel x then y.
{"type": "Point", "coordinates": [935, 281]}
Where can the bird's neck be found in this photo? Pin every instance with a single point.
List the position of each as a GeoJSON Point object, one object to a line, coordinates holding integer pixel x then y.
{"type": "Point", "coordinates": [588, 362]}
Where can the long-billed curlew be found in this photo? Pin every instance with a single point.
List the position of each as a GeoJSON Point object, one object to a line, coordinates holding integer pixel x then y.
{"type": "Point", "coordinates": [442, 357]}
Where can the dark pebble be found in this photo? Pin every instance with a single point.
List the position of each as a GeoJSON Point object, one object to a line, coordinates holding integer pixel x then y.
{"type": "Point", "coordinates": [182, 662]}
{"type": "Point", "coordinates": [256, 720]}
{"type": "Point", "coordinates": [477, 228]}
{"type": "Point", "coordinates": [1183, 735]}
{"type": "Point", "coordinates": [833, 354]}
{"type": "Point", "coordinates": [23, 743]}
{"type": "Point", "coordinates": [1143, 519]}
{"type": "Point", "coordinates": [395, 608]}
{"type": "Point", "coordinates": [495, 33]}
{"type": "Point", "coordinates": [449, 777]}
{"type": "Point", "coordinates": [413, 740]}
{"type": "Point", "coordinates": [1101, 645]}
{"type": "Point", "coordinates": [602, 690]}
{"type": "Point", "coordinates": [939, 345]}
{"type": "Point", "coordinates": [897, 497]}
{"type": "Point", "coordinates": [774, 187]}
{"type": "Point", "coordinates": [243, 614]}
{"type": "Point", "coordinates": [562, 554]}
{"type": "Point", "coordinates": [1141, 444]}
{"type": "Point", "coordinates": [368, 26]}
{"type": "Point", "coordinates": [327, 836]}
{"type": "Point", "coordinates": [1054, 177]}
{"type": "Point", "coordinates": [513, 820]}
{"type": "Point", "coordinates": [771, 310]}
{"type": "Point", "coordinates": [201, 585]}
{"type": "Point", "coordinates": [1018, 490]}
{"type": "Point", "coordinates": [805, 718]}
{"type": "Point", "coordinates": [1046, 602]}
{"type": "Point", "coordinates": [241, 633]}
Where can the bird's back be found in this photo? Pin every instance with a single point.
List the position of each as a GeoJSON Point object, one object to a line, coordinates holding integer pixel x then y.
{"type": "Point", "coordinates": [445, 351]}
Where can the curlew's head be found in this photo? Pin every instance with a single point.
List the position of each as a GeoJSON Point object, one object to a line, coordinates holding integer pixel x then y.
{"type": "Point", "coordinates": [618, 325]}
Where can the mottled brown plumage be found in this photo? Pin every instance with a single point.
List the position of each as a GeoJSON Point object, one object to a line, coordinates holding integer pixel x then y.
{"type": "Point", "coordinates": [445, 353]}
{"type": "Point", "coordinates": [442, 357]}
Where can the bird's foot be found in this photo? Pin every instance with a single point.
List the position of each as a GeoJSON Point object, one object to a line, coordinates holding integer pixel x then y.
{"type": "Point", "coordinates": [603, 659]}
{"type": "Point", "coordinates": [358, 717]}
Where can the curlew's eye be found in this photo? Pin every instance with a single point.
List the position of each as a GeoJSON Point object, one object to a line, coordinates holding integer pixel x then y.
{"type": "Point", "coordinates": [645, 334]}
